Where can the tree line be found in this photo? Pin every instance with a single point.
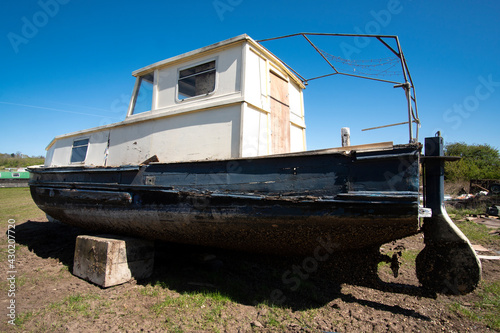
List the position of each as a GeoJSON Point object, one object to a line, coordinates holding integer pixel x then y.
{"type": "Point", "coordinates": [19, 160]}
{"type": "Point", "coordinates": [477, 162]}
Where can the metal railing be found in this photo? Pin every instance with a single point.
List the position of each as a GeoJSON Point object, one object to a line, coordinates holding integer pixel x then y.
{"type": "Point", "coordinates": [407, 83]}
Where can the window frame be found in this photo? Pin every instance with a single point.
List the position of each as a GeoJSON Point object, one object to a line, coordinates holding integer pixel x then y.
{"type": "Point", "coordinates": [136, 90]}
{"type": "Point", "coordinates": [193, 65]}
{"type": "Point", "coordinates": [86, 150]}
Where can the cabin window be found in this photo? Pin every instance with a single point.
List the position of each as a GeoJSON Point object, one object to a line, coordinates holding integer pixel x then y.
{"type": "Point", "coordinates": [144, 97]}
{"type": "Point", "coordinates": [197, 80]}
{"type": "Point", "coordinates": [79, 151]}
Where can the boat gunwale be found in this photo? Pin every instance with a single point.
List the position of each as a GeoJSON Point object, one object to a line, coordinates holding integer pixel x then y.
{"type": "Point", "coordinates": [340, 151]}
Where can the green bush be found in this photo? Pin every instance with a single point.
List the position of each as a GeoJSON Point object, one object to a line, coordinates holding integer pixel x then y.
{"type": "Point", "coordinates": [19, 160]}
{"type": "Point", "coordinates": [477, 162]}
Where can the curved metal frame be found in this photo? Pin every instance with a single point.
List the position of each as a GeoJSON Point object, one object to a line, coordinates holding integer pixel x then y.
{"type": "Point", "coordinates": [407, 85]}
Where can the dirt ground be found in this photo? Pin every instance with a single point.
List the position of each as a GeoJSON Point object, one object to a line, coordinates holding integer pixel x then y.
{"type": "Point", "coordinates": [197, 289]}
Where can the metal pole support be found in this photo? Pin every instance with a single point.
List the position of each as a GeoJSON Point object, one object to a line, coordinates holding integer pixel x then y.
{"type": "Point", "coordinates": [448, 263]}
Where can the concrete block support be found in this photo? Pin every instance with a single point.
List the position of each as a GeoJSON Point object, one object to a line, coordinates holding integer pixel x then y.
{"type": "Point", "coordinates": [109, 260]}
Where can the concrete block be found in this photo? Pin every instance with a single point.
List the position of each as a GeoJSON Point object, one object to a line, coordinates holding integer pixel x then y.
{"type": "Point", "coordinates": [109, 260]}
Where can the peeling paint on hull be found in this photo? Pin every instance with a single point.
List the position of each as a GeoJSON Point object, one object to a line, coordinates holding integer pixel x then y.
{"type": "Point", "coordinates": [272, 228]}
{"type": "Point", "coordinates": [283, 204]}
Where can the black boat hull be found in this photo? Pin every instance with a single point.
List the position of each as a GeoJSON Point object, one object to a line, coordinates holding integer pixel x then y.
{"type": "Point", "coordinates": [288, 204]}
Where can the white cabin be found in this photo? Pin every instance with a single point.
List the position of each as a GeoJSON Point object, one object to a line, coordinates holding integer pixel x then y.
{"type": "Point", "coordinates": [228, 100]}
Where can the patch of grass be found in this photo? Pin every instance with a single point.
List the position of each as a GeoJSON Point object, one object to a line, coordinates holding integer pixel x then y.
{"type": "Point", "coordinates": [191, 300]}
{"type": "Point", "coordinates": [464, 311]}
{"type": "Point", "coordinates": [478, 233]}
{"type": "Point", "coordinates": [22, 318]}
{"type": "Point", "coordinates": [41, 276]}
{"type": "Point", "coordinates": [272, 320]}
{"type": "Point", "coordinates": [18, 205]}
{"type": "Point", "coordinates": [487, 309]}
{"type": "Point", "coordinates": [217, 297]}
{"type": "Point", "coordinates": [460, 213]}
{"type": "Point", "coordinates": [149, 290]}
{"type": "Point", "coordinates": [21, 280]}
{"type": "Point", "coordinates": [172, 327]}
{"type": "Point", "coordinates": [409, 256]}
{"type": "Point", "coordinates": [67, 310]}
{"type": "Point", "coordinates": [217, 308]}
{"type": "Point", "coordinates": [307, 317]}
{"type": "Point", "coordinates": [75, 304]}
{"type": "Point", "coordinates": [274, 317]}
{"type": "Point", "coordinates": [63, 271]}
{"type": "Point", "coordinates": [214, 313]}
{"type": "Point", "coordinates": [196, 311]}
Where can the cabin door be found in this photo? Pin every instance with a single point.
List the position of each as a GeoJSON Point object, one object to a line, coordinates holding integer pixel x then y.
{"type": "Point", "coordinates": [280, 115]}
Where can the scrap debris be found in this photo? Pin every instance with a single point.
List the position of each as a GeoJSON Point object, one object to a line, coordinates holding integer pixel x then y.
{"type": "Point", "coordinates": [490, 222]}
{"type": "Point", "coordinates": [487, 221]}
{"type": "Point", "coordinates": [479, 248]}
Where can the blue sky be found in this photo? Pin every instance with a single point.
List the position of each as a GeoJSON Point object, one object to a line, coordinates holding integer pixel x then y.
{"type": "Point", "coordinates": [66, 64]}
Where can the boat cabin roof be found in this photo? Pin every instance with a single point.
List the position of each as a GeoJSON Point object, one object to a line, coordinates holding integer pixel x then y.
{"type": "Point", "coordinates": [216, 47]}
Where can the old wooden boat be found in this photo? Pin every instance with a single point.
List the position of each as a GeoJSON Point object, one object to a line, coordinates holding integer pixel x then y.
{"type": "Point", "coordinates": [212, 152]}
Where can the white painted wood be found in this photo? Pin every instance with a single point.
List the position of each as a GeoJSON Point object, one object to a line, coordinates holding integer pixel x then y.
{"type": "Point", "coordinates": [256, 135]}
{"type": "Point", "coordinates": [49, 156]}
{"type": "Point", "coordinates": [256, 91]}
{"type": "Point", "coordinates": [228, 78]}
{"type": "Point", "coordinates": [130, 144]}
{"type": "Point", "coordinates": [96, 152]}
{"type": "Point", "coordinates": [296, 107]}
{"type": "Point", "coordinates": [185, 137]}
{"type": "Point", "coordinates": [59, 153]}
{"type": "Point", "coordinates": [195, 54]}
{"type": "Point", "coordinates": [211, 134]}
{"type": "Point", "coordinates": [232, 121]}
{"type": "Point", "coordinates": [296, 138]}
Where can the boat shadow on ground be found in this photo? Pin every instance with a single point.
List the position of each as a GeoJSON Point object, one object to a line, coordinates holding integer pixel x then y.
{"type": "Point", "coordinates": [288, 282]}
{"type": "Point", "coordinates": [245, 278]}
